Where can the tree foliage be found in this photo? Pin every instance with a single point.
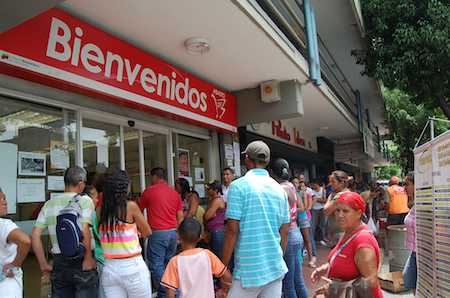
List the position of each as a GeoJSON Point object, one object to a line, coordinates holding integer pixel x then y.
{"type": "Point", "coordinates": [386, 172]}
{"type": "Point", "coordinates": [409, 48]}
{"type": "Point", "coordinates": [406, 120]}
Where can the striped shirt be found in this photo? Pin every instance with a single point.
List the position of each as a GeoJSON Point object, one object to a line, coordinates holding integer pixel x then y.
{"type": "Point", "coordinates": [50, 210]}
{"type": "Point", "coordinates": [260, 205]}
{"type": "Point", "coordinates": [121, 243]}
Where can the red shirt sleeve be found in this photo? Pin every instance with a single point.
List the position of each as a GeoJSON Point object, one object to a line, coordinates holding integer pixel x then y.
{"type": "Point", "coordinates": [366, 240]}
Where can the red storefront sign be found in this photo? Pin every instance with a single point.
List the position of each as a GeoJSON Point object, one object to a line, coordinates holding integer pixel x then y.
{"type": "Point", "coordinates": [57, 49]}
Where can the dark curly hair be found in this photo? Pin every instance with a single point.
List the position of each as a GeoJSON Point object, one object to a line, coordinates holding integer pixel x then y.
{"type": "Point", "coordinates": [115, 196]}
{"type": "Point", "coordinates": [185, 188]}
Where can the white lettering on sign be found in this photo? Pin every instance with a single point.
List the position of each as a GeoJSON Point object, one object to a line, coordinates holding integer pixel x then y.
{"type": "Point", "coordinates": [92, 58]}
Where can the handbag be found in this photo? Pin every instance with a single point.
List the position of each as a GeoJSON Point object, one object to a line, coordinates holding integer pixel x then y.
{"type": "Point", "coordinates": [355, 288]}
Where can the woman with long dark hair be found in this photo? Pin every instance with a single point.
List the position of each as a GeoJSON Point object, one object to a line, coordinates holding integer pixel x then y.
{"type": "Point", "coordinates": [121, 223]}
{"type": "Point", "coordinates": [182, 187]}
{"type": "Point", "coordinates": [214, 217]}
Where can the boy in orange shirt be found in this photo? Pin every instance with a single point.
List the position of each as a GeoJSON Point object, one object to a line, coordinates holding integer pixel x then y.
{"type": "Point", "coordinates": [191, 272]}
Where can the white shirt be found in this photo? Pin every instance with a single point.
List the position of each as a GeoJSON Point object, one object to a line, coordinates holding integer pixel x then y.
{"type": "Point", "coordinates": [225, 192]}
{"type": "Point", "coordinates": [8, 251]}
{"type": "Point", "coordinates": [318, 195]}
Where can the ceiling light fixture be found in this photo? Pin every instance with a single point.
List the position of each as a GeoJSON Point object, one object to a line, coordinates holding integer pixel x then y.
{"type": "Point", "coordinates": [197, 45]}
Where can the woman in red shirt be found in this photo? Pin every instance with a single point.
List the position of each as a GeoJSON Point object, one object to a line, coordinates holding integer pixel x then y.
{"type": "Point", "coordinates": [357, 254]}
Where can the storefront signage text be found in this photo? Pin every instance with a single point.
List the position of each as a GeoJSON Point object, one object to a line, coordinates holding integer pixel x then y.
{"type": "Point", "coordinates": [63, 48]}
{"type": "Point", "coordinates": [281, 131]}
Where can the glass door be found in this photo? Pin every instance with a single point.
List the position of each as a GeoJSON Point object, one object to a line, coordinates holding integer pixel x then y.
{"type": "Point", "coordinates": [133, 149]}
{"type": "Point", "coordinates": [101, 146]}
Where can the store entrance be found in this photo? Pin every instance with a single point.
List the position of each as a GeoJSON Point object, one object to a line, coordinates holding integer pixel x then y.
{"type": "Point", "coordinates": [135, 150]}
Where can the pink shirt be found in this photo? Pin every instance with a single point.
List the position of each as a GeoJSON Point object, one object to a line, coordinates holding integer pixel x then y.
{"type": "Point", "coordinates": [410, 222]}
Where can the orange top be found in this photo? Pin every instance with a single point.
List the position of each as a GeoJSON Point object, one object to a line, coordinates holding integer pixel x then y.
{"type": "Point", "coordinates": [192, 273]}
{"type": "Point", "coordinates": [398, 200]}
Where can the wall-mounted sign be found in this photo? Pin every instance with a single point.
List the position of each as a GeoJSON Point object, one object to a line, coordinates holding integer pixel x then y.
{"type": "Point", "coordinates": [285, 131]}
{"type": "Point", "coordinates": [57, 49]}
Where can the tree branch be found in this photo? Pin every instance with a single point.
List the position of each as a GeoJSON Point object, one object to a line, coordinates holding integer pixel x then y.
{"type": "Point", "coordinates": [445, 107]}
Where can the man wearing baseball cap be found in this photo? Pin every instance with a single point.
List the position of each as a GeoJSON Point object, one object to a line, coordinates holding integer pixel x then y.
{"type": "Point", "coordinates": [258, 221]}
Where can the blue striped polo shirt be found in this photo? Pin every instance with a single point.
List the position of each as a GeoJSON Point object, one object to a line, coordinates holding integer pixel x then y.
{"type": "Point", "coordinates": [261, 206]}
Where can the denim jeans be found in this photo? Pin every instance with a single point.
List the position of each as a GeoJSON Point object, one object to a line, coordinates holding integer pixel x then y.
{"type": "Point", "coordinates": [162, 246]}
{"type": "Point", "coordinates": [317, 221]}
{"type": "Point", "coordinates": [217, 239]}
{"type": "Point", "coordinates": [293, 282]}
{"type": "Point", "coordinates": [271, 290]}
{"type": "Point", "coordinates": [410, 272]}
{"type": "Point", "coordinates": [70, 281]}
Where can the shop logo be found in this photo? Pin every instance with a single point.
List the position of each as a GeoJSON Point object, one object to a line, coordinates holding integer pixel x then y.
{"type": "Point", "coordinates": [65, 44]}
{"type": "Point", "coordinates": [220, 100]}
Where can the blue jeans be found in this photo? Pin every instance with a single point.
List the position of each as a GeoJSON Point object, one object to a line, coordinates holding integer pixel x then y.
{"type": "Point", "coordinates": [318, 220]}
{"type": "Point", "coordinates": [70, 281]}
{"type": "Point", "coordinates": [217, 239]}
{"type": "Point", "coordinates": [410, 272]}
{"type": "Point", "coordinates": [162, 246]}
{"type": "Point", "coordinates": [293, 282]}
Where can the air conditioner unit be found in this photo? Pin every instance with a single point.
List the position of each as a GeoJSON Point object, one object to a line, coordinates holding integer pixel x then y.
{"type": "Point", "coordinates": [270, 91]}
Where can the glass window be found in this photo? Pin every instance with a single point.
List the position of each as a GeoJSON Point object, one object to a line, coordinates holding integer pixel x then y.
{"type": "Point", "coordinates": [101, 146]}
{"type": "Point", "coordinates": [37, 144]}
{"type": "Point", "coordinates": [131, 145]}
{"type": "Point", "coordinates": [191, 160]}
{"type": "Point", "coordinates": [155, 153]}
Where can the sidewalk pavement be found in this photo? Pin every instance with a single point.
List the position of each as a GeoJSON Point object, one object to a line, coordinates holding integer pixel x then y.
{"type": "Point", "coordinates": [322, 257]}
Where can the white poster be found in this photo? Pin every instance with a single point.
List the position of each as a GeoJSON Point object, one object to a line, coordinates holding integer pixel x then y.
{"type": "Point", "coordinates": [200, 188]}
{"type": "Point", "coordinates": [31, 164]}
{"type": "Point", "coordinates": [30, 190]}
{"type": "Point", "coordinates": [55, 183]}
{"type": "Point", "coordinates": [229, 154]}
{"type": "Point", "coordinates": [199, 174]}
{"type": "Point", "coordinates": [441, 206]}
{"type": "Point", "coordinates": [423, 168]}
{"type": "Point", "coordinates": [237, 159]}
{"type": "Point", "coordinates": [59, 155]}
{"type": "Point", "coordinates": [8, 174]}
{"type": "Point", "coordinates": [102, 154]}
{"type": "Point", "coordinates": [432, 203]}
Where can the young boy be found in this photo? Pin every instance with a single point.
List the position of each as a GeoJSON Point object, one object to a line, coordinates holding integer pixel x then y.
{"type": "Point", "coordinates": [191, 272]}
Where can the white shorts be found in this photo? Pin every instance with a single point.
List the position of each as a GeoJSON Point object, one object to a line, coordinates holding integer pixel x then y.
{"type": "Point", "coordinates": [12, 287]}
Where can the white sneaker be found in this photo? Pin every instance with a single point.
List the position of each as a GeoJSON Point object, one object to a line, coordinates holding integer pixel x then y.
{"type": "Point", "coordinates": [323, 243]}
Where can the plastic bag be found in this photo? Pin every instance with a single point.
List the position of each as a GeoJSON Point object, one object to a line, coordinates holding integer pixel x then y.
{"type": "Point", "coordinates": [373, 227]}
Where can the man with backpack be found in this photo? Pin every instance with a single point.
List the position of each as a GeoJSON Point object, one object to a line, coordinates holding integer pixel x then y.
{"type": "Point", "coordinates": [67, 218]}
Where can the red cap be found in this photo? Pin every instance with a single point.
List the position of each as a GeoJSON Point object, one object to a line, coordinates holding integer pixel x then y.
{"type": "Point", "coordinates": [353, 200]}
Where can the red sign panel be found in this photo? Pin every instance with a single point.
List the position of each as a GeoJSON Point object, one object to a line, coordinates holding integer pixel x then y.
{"type": "Point", "coordinates": [55, 47]}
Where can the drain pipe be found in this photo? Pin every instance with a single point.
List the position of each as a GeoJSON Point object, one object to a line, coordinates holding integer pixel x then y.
{"type": "Point", "coordinates": [311, 35]}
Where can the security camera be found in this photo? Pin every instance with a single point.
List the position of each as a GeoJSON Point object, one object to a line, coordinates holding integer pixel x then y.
{"type": "Point", "coordinates": [131, 123]}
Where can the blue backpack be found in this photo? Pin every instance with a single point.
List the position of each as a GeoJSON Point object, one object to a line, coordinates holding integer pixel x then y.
{"type": "Point", "coordinates": [69, 230]}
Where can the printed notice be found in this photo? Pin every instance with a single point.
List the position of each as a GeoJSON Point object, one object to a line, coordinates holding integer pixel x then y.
{"type": "Point", "coordinates": [30, 190]}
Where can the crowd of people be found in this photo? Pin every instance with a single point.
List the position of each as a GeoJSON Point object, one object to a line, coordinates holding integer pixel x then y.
{"type": "Point", "coordinates": [248, 240]}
